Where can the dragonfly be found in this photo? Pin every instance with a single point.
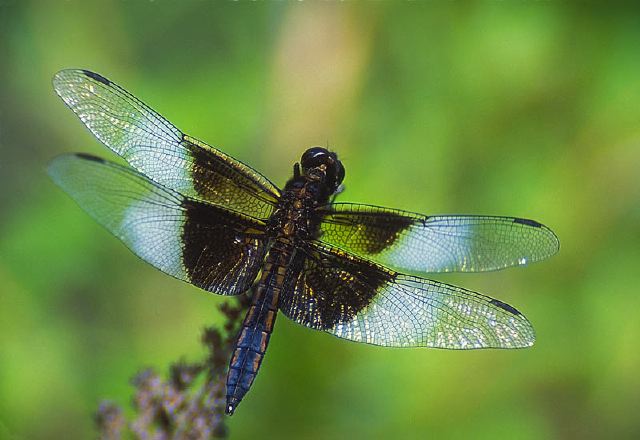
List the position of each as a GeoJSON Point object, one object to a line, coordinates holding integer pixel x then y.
{"type": "Point", "coordinates": [352, 270]}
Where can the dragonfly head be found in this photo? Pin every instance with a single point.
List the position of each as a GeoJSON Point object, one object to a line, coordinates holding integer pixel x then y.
{"type": "Point", "coordinates": [321, 164]}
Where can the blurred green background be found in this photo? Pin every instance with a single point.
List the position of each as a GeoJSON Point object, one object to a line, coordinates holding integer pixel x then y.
{"type": "Point", "coordinates": [525, 109]}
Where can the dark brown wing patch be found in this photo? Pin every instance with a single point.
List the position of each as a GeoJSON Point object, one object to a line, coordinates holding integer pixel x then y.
{"type": "Point", "coordinates": [219, 250]}
{"type": "Point", "coordinates": [327, 288]}
{"type": "Point", "coordinates": [228, 182]}
{"type": "Point", "coordinates": [374, 232]}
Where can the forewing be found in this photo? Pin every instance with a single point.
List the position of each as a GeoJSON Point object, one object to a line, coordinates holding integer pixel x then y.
{"type": "Point", "coordinates": [202, 244]}
{"type": "Point", "coordinates": [358, 300]}
{"type": "Point", "coordinates": [156, 148]}
{"type": "Point", "coordinates": [446, 243]}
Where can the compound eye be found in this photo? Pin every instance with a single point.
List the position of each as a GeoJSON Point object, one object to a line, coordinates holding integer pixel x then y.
{"type": "Point", "coordinates": [313, 157]}
{"type": "Point", "coordinates": [339, 173]}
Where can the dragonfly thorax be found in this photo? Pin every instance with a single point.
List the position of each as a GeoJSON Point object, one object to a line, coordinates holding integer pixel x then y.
{"type": "Point", "coordinates": [294, 217]}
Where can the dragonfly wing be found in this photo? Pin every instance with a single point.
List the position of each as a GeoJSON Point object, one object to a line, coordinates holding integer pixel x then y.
{"type": "Point", "coordinates": [205, 245]}
{"type": "Point", "coordinates": [425, 244]}
{"type": "Point", "coordinates": [155, 147]}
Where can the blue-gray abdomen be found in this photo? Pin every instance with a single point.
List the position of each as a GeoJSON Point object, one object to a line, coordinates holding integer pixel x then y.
{"type": "Point", "coordinates": [257, 326]}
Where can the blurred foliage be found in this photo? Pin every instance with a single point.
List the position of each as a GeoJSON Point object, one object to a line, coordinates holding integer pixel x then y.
{"type": "Point", "coordinates": [526, 109]}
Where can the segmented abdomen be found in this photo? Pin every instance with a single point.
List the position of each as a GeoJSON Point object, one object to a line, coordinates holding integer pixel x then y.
{"type": "Point", "coordinates": [257, 326]}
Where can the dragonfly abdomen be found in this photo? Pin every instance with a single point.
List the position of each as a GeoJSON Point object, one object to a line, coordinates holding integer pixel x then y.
{"type": "Point", "coordinates": [257, 327]}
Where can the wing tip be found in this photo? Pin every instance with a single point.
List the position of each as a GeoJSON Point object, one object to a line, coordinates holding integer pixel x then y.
{"type": "Point", "coordinates": [519, 325]}
{"type": "Point", "coordinates": [548, 241]}
{"type": "Point", "coordinates": [556, 241]}
{"type": "Point", "coordinates": [86, 156]}
{"type": "Point", "coordinates": [96, 77]}
{"type": "Point", "coordinates": [62, 76]}
{"type": "Point", "coordinates": [527, 342]}
{"type": "Point", "coordinates": [527, 333]}
{"type": "Point", "coordinates": [56, 167]}
{"type": "Point", "coordinates": [535, 224]}
{"type": "Point", "coordinates": [505, 306]}
{"type": "Point", "coordinates": [527, 222]}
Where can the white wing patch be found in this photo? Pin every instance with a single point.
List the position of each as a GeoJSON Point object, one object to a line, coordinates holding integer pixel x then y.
{"type": "Point", "coordinates": [445, 255]}
{"type": "Point", "coordinates": [154, 238]}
